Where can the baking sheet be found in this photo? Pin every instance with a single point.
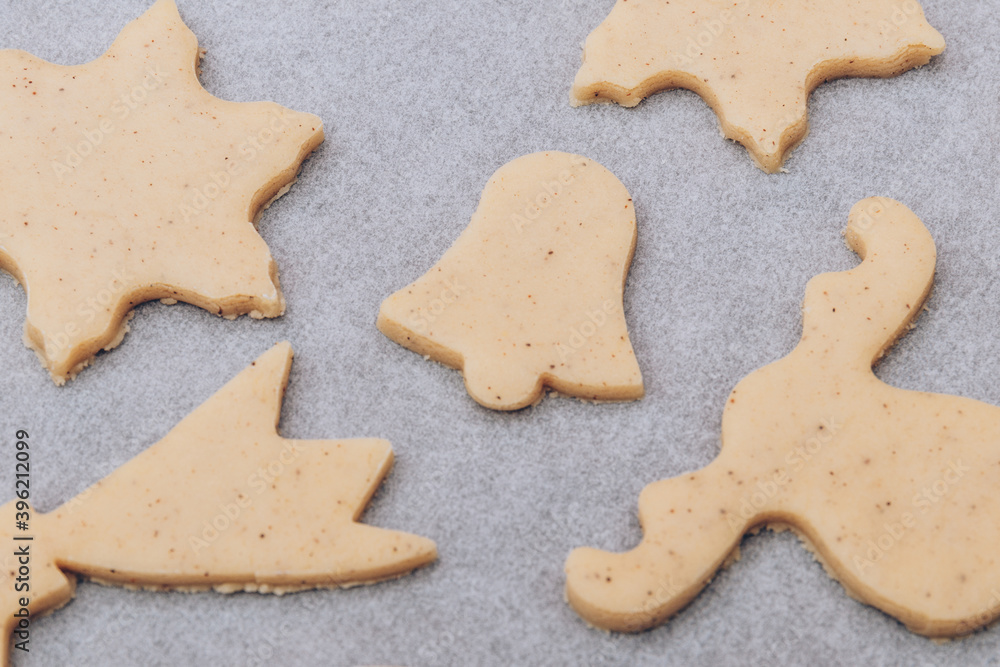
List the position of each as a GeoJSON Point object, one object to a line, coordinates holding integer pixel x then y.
{"type": "Point", "coordinates": [422, 101]}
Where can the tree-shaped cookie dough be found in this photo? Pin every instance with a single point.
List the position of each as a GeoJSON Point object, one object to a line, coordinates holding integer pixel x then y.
{"type": "Point", "coordinates": [223, 502]}
{"type": "Point", "coordinates": [893, 490]}
{"type": "Point", "coordinates": [530, 295]}
{"type": "Point", "coordinates": [754, 61]}
{"type": "Point", "coordinates": [123, 181]}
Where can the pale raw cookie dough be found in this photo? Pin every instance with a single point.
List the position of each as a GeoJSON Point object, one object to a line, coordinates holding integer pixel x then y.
{"type": "Point", "coordinates": [125, 181]}
{"type": "Point", "coordinates": [530, 295]}
{"type": "Point", "coordinates": [223, 502]}
{"type": "Point", "coordinates": [754, 62]}
{"type": "Point", "coordinates": [894, 491]}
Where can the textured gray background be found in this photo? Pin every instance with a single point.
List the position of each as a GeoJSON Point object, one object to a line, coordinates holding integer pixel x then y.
{"type": "Point", "coordinates": [422, 101]}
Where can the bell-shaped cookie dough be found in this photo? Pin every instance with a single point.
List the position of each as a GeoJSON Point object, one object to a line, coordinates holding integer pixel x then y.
{"type": "Point", "coordinates": [223, 502]}
{"type": "Point", "coordinates": [530, 295]}
{"type": "Point", "coordinates": [123, 181]}
{"type": "Point", "coordinates": [755, 63]}
{"type": "Point", "coordinates": [895, 491]}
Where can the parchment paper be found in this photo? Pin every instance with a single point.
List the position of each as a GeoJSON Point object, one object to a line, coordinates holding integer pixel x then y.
{"type": "Point", "coordinates": [422, 101]}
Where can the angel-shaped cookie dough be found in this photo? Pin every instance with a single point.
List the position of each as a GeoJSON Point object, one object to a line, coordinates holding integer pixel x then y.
{"type": "Point", "coordinates": [530, 295]}
{"type": "Point", "coordinates": [894, 491]}
{"type": "Point", "coordinates": [124, 181]}
{"type": "Point", "coordinates": [754, 61]}
{"type": "Point", "coordinates": [223, 502]}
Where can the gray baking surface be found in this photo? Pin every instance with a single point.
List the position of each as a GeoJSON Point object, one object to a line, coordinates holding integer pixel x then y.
{"type": "Point", "coordinates": [422, 101]}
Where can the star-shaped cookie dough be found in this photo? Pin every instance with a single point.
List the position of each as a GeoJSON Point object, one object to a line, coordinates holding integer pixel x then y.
{"type": "Point", "coordinates": [754, 61]}
{"type": "Point", "coordinates": [123, 181]}
{"type": "Point", "coordinates": [221, 502]}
